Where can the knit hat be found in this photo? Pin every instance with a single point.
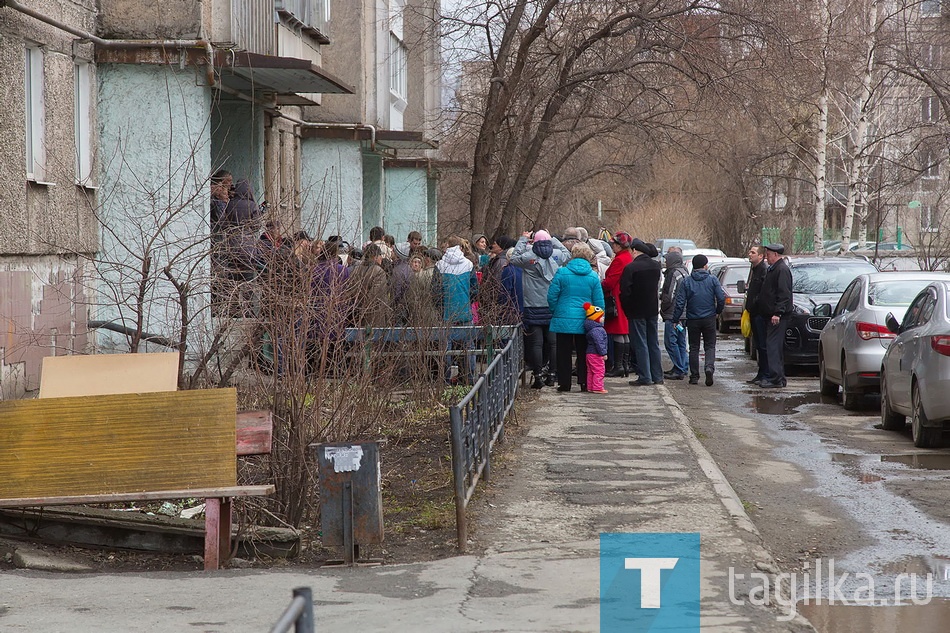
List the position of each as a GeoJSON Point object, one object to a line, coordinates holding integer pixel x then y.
{"type": "Point", "coordinates": [403, 250]}
{"type": "Point", "coordinates": [504, 242]}
{"type": "Point", "coordinates": [699, 261]}
{"type": "Point", "coordinates": [593, 312]}
{"type": "Point", "coordinates": [541, 235]}
{"type": "Point", "coordinates": [623, 239]}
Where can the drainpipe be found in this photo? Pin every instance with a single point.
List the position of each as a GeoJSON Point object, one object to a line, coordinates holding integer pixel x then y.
{"type": "Point", "coordinates": [345, 126]}
{"type": "Point", "coordinates": [98, 41]}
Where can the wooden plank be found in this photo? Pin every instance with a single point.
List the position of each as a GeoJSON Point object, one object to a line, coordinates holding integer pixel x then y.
{"type": "Point", "coordinates": [60, 447]}
{"type": "Point", "coordinates": [255, 431]}
{"type": "Point", "coordinates": [154, 495]}
{"type": "Point", "coordinates": [101, 374]}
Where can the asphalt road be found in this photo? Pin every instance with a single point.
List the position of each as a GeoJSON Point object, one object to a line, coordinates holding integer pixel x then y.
{"type": "Point", "coordinates": [821, 483]}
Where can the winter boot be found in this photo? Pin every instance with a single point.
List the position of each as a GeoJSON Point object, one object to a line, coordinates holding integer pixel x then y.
{"type": "Point", "coordinates": [537, 381]}
{"type": "Point", "coordinates": [620, 359]}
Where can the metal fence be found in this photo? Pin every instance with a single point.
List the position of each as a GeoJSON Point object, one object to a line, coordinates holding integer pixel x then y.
{"type": "Point", "coordinates": [478, 421]}
{"type": "Point", "coordinates": [299, 614]}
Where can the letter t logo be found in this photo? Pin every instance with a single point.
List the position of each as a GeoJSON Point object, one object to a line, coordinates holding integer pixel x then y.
{"type": "Point", "coordinates": [650, 578]}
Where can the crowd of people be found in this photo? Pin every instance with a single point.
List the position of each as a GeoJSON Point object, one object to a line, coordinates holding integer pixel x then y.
{"type": "Point", "coordinates": [588, 306]}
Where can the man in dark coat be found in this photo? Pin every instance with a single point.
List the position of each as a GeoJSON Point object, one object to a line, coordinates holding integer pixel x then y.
{"type": "Point", "coordinates": [752, 305]}
{"type": "Point", "coordinates": [641, 304]}
{"type": "Point", "coordinates": [775, 301]}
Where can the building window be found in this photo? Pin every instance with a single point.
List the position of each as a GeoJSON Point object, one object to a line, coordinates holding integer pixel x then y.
{"type": "Point", "coordinates": [931, 165]}
{"type": "Point", "coordinates": [929, 109]}
{"type": "Point", "coordinates": [83, 115]}
{"type": "Point", "coordinates": [929, 222]}
{"type": "Point", "coordinates": [398, 58]}
{"type": "Point", "coordinates": [930, 56]}
{"type": "Point", "coordinates": [930, 8]}
{"type": "Point", "coordinates": [34, 78]}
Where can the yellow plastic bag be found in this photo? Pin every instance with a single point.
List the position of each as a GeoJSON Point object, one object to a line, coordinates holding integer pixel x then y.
{"type": "Point", "coordinates": [745, 324]}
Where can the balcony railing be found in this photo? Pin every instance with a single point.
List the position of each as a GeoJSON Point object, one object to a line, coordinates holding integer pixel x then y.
{"type": "Point", "coordinates": [311, 16]}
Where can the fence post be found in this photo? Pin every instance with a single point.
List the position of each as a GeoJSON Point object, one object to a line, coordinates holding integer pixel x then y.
{"type": "Point", "coordinates": [458, 473]}
{"type": "Point", "coordinates": [305, 622]}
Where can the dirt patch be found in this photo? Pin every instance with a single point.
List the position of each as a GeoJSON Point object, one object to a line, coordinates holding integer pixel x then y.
{"type": "Point", "coordinates": [418, 506]}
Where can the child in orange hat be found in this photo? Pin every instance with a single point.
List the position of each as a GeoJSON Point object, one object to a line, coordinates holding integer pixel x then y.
{"type": "Point", "coordinates": [596, 348]}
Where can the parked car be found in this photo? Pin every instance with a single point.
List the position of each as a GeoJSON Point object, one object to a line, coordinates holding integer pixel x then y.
{"type": "Point", "coordinates": [915, 372]}
{"type": "Point", "coordinates": [729, 275]}
{"type": "Point", "coordinates": [713, 255]}
{"type": "Point", "coordinates": [816, 281]}
{"type": "Point", "coordinates": [853, 342]}
{"type": "Point", "coordinates": [664, 243]}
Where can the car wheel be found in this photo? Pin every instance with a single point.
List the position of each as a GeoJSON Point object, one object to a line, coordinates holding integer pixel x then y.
{"type": "Point", "coordinates": [825, 386]}
{"type": "Point", "coordinates": [890, 419]}
{"type": "Point", "coordinates": [849, 397]}
{"type": "Point", "coordinates": [721, 325]}
{"type": "Point", "coordinates": [924, 436]}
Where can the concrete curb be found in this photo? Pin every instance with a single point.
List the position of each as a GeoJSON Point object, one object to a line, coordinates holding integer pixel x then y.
{"type": "Point", "coordinates": [727, 495]}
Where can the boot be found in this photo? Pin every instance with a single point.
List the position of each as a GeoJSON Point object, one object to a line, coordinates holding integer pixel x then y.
{"type": "Point", "coordinates": [537, 382]}
{"type": "Point", "coordinates": [620, 361]}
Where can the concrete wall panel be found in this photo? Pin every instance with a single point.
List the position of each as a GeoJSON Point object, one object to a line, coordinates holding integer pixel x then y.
{"type": "Point", "coordinates": [43, 311]}
{"type": "Point", "coordinates": [332, 188]}
{"type": "Point", "coordinates": [407, 203]}
{"type": "Point", "coordinates": [131, 19]}
{"type": "Point", "coordinates": [154, 194]}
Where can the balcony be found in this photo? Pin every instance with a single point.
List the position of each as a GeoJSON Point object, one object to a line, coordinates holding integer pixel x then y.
{"type": "Point", "coordinates": [252, 25]}
{"type": "Point", "coordinates": [310, 16]}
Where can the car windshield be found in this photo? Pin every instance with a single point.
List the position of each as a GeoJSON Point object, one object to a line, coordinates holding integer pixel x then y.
{"type": "Point", "coordinates": [894, 293]}
{"type": "Point", "coordinates": [826, 277]}
{"type": "Point", "coordinates": [734, 274]}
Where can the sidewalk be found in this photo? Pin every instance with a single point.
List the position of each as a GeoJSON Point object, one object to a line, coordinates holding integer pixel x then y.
{"type": "Point", "coordinates": [621, 462]}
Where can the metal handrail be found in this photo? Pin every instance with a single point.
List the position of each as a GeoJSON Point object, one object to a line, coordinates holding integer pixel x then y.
{"type": "Point", "coordinates": [477, 422]}
{"type": "Point", "coordinates": [298, 614]}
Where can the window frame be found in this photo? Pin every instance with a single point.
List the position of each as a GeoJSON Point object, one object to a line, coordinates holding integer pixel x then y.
{"type": "Point", "coordinates": [34, 90]}
{"type": "Point", "coordinates": [83, 94]}
{"type": "Point", "coordinates": [929, 109]}
{"type": "Point", "coordinates": [931, 226]}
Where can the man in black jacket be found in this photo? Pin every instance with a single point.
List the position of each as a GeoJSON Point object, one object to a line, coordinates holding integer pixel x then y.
{"type": "Point", "coordinates": [638, 297]}
{"type": "Point", "coordinates": [759, 320]}
{"type": "Point", "coordinates": [775, 301]}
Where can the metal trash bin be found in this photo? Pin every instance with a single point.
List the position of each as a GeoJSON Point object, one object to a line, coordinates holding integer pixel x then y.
{"type": "Point", "coordinates": [351, 501]}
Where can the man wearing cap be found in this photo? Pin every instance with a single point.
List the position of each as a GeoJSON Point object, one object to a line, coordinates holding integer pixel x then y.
{"type": "Point", "coordinates": [701, 298]}
{"type": "Point", "coordinates": [641, 304]}
{"type": "Point", "coordinates": [775, 304]}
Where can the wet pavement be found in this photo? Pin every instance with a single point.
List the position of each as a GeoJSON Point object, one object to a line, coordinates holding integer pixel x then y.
{"type": "Point", "coordinates": [828, 485]}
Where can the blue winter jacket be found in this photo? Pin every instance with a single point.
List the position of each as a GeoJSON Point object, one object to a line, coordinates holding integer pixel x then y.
{"type": "Point", "coordinates": [574, 284]}
{"type": "Point", "coordinates": [459, 286]}
{"type": "Point", "coordinates": [596, 337]}
{"type": "Point", "coordinates": [700, 295]}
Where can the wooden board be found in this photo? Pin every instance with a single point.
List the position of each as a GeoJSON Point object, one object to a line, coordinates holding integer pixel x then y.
{"type": "Point", "coordinates": [157, 495]}
{"type": "Point", "coordinates": [101, 374]}
{"type": "Point", "coordinates": [255, 432]}
{"type": "Point", "coordinates": [174, 440]}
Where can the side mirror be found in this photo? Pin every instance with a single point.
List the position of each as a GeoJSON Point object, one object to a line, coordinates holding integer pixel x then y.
{"type": "Point", "coordinates": [892, 323]}
{"type": "Point", "coordinates": [740, 286]}
{"type": "Point", "coordinates": [823, 310]}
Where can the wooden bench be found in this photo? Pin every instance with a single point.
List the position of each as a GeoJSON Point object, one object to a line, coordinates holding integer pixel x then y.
{"type": "Point", "coordinates": [132, 447]}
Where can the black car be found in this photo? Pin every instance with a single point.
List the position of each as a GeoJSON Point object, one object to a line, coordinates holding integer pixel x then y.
{"type": "Point", "coordinates": [816, 281]}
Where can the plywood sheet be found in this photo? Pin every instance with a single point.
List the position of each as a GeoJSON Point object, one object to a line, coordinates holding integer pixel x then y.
{"type": "Point", "coordinates": [118, 443]}
{"type": "Point", "coordinates": [100, 374]}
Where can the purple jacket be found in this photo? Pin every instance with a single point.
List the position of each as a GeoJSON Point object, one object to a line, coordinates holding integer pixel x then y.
{"type": "Point", "coordinates": [596, 337]}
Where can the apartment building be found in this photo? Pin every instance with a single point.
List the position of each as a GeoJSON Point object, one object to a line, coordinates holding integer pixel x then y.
{"type": "Point", "coordinates": [119, 111]}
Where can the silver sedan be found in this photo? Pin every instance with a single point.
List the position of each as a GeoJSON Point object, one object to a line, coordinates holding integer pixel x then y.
{"type": "Point", "coordinates": [915, 374]}
{"type": "Point", "coordinates": [853, 342]}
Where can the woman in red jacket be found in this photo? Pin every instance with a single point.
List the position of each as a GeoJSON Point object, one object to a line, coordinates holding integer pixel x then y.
{"type": "Point", "coordinates": [616, 326]}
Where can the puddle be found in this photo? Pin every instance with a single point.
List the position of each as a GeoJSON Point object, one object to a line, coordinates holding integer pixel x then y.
{"type": "Point", "coordinates": [920, 618]}
{"type": "Point", "coordinates": [939, 566]}
{"type": "Point", "coordinates": [925, 461]}
{"type": "Point", "coordinates": [782, 405]}
{"type": "Point", "coordinates": [850, 461]}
